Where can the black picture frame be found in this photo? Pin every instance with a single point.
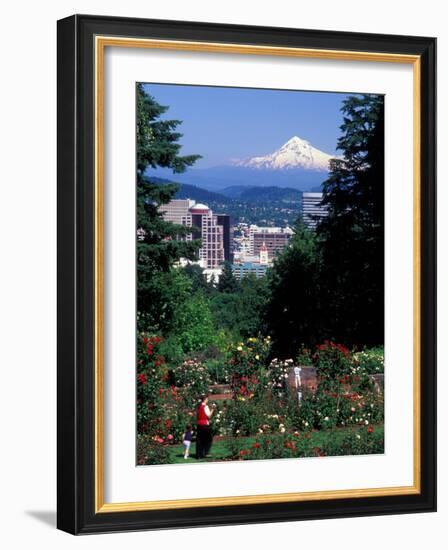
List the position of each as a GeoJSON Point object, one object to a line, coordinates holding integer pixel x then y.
{"type": "Point", "coordinates": [76, 512]}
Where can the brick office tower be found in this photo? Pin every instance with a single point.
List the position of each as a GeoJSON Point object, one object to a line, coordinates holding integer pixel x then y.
{"type": "Point", "coordinates": [274, 239]}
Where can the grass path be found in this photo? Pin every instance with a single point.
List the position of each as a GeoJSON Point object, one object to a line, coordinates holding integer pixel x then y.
{"type": "Point", "coordinates": [218, 452]}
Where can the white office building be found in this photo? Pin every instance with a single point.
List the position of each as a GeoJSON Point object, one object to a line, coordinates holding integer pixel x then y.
{"type": "Point", "coordinates": [312, 210]}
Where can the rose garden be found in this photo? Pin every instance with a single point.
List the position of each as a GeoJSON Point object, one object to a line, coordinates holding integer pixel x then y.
{"type": "Point", "coordinates": [262, 411]}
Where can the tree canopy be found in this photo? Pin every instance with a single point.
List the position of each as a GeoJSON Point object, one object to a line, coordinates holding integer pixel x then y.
{"type": "Point", "coordinates": [293, 310]}
{"type": "Point", "coordinates": [352, 236]}
{"type": "Point", "coordinates": [158, 244]}
{"type": "Point", "coordinates": [327, 284]}
{"type": "Point", "coordinates": [330, 284]}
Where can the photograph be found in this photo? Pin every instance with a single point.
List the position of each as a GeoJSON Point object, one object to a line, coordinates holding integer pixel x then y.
{"type": "Point", "coordinates": [246, 273]}
{"type": "Point", "coordinates": [260, 274]}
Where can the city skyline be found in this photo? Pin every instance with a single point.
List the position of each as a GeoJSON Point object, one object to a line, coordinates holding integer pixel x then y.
{"type": "Point", "coordinates": [252, 251]}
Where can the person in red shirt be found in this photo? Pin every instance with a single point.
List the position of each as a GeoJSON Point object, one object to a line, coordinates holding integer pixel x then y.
{"type": "Point", "coordinates": [204, 437]}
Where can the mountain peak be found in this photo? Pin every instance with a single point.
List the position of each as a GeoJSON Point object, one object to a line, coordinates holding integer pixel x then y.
{"type": "Point", "coordinates": [295, 153]}
{"type": "Point", "coordinates": [295, 140]}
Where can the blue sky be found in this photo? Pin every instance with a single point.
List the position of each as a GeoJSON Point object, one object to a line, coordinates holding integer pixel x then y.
{"type": "Point", "coordinates": [225, 123]}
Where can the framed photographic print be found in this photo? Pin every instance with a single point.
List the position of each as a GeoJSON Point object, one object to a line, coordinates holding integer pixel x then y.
{"type": "Point", "coordinates": [246, 271]}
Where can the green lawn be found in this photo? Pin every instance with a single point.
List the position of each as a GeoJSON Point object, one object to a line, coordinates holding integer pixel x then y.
{"type": "Point", "coordinates": [220, 451]}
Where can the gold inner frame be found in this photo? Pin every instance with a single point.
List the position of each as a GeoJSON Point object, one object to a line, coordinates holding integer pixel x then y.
{"type": "Point", "coordinates": [101, 42]}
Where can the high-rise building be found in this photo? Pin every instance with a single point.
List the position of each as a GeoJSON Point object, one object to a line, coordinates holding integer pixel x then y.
{"type": "Point", "coordinates": [226, 222]}
{"type": "Point", "coordinates": [213, 230]}
{"type": "Point", "coordinates": [312, 210]}
{"type": "Point", "coordinates": [211, 253]}
{"type": "Point", "coordinates": [176, 210]}
{"type": "Point", "coordinates": [273, 238]}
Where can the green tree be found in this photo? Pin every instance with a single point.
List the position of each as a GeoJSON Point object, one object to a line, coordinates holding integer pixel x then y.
{"type": "Point", "coordinates": [253, 296]}
{"type": "Point", "coordinates": [198, 279]}
{"type": "Point", "coordinates": [293, 311]}
{"type": "Point", "coordinates": [157, 140]}
{"type": "Point", "coordinates": [227, 281]}
{"type": "Point", "coordinates": [159, 243]}
{"type": "Point", "coordinates": [226, 309]}
{"type": "Point", "coordinates": [193, 324]}
{"type": "Point", "coordinates": [241, 312]}
{"type": "Point", "coordinates": [168, 291]}
{"type": "Point", "coordinates": [353, 233]}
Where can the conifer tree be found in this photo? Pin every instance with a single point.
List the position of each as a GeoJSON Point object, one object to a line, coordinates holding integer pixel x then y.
{"type": "Point", "coordinates": [158, 243]}
{"type": "Point", "coordinates": [353, 233]}
{"type": "Point", "coordinates": [293, 311]}
{"type": "Point", "coordinates": [227, 281]}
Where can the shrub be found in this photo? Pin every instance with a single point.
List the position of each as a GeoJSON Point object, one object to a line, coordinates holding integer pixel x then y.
{"type": "Point", "coordinates": [304, 418]}
{"type": "Point", "coordinates": [220, 424]}
{"type": "Point", "coordinates": [243, 417]}
{"type": "Point", "coordinates": [371, 360]}
{"type": "Point", "coordinates": [338, 372]}
{"type": "Point", "coordinates": [304, 357]}
{"type": "Point", "coordinates": [164, 410]}
{"type": "Point", "coordinates": [235, 446]}
{"type": "Point", "coordinates": [218, 371]}
{"type": "Point", "coordinates": [192, 379]}
{"type": "Point", "coordinates": [152, 374]}
{"type": "Point", "coordinates": [272, 446]}
{"type": "Point", "coordinates": [249, 357]}
{"type": "Point", "coordinates": [326, 410]}
{"type": "Point", "coordinates": [246, 365]}
{"type": "Point", "coordinates": [333, 365]}
{"type": "Point", "coordinates": [171, 348]}
{"type": "Point", "coordinates": [150, 452]}
{"type": "Point", "coordinates": [361, 409]}
{"type": "Point", "coordinates": [364, 441]}
{"type": "Point", "coordinates": [168, 418]}
{"type": "Point", "coordinates": [298, 445]}
{"type": "Point", "coordinates": [278, 374]}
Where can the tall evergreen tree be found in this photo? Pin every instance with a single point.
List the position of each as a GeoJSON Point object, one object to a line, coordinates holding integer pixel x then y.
{"type": "Point", "coordinates": [227, 281]}
{"type": "Point", "coordinates": [353, 233]}
{"type": "Point", "coordinates": [199, 281]}
{"type": "Point", "coordinates": [293, 313]}
{"type": "Point", "coordinates": [158, 246]}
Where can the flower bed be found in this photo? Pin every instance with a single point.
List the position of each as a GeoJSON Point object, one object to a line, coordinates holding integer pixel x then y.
{"type": "Point", "coordinates": [260, 401]}
{"type": "Point", "coordinates": [300, 445]}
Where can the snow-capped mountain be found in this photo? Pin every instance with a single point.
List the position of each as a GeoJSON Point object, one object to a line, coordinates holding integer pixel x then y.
{"type": "Point", "coordinates": [297, 164]}
{"type": "Point", "coordinates": [296, 153]}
